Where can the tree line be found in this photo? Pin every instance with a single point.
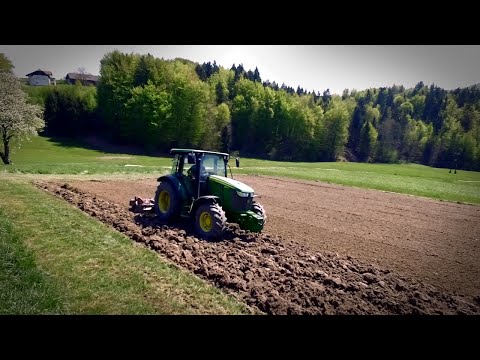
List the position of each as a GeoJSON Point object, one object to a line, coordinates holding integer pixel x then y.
{"type": "Point", "coordinates": [158, 104]}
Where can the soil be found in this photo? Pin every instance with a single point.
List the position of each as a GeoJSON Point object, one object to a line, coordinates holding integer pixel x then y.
{"type": "Point", "coordinates": [326, 249]}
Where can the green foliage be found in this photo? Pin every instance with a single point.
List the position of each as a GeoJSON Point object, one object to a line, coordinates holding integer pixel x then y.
{"type": "Point", "coordinates": [192, 107]}
{"type": "Point", "coordinates": [470, 117]}
{"type": "Point", "coordinates": [425, 125]}
{"type": "Point", "coordinates": [71, 110]}
{"type": "Point", "coordinates": [418, 102]}
{"type": "Point", "coordinates": [6, 64]}
{"type": "Point", "coordinates": [407, 108]}
{"type": "Point", "coordinates": [336, 129]}
{"type": "Point", "coordinates": [19, 120]}
{"type": "Point", "coordinates": [220, 84]}
{"type": "Point", "coordinates": [387, 149]}
{"type": "Point", "coordinates": [157, 104]}
{"type": "Point", "coordinates": [150, 110]}
{"type": "Point", "coordinates": [117, 73]}
{"type": "Point", "coordinates": [146, 71]}
{"type": "Point", "coordinates": [38, 94]}
{"type": "Point", "coordinates": [434, 102]}
{"type": "Point", "coordinates": [470, 152]}
{"type": "Point", "coordinates": [417, 135]}
{"type": "Point", "coordinates": [372, 114]}
{"type": "Point", "coordinates": [368, 141]}
{"type": "Point", "coordinates": [275, 124]}
{"type": "Point", "coordinates": [398, 100]}
{"type": "Point", "coordinates": [448, 147]}
{"type": "Point", "coordinates": [221, 90]}
{"type": "Point", "coordinates": [221, 138]}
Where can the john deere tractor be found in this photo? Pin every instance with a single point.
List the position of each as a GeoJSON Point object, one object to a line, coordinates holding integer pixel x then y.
{"type": "Point", "coordinates": [198, 187]}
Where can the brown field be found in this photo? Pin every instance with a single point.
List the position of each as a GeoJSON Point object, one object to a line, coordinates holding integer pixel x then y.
{"type": "Point", "coordinates": [325, 248]}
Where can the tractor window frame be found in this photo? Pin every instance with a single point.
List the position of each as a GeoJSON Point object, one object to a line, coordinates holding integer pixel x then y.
{"type": "Point", "coordinates": [185, 165]}
{"type": "Point", "coordinates": [174, 164]}
{"type": "Point", "coordinates": [178, 164]}
{"type": "Point", "coordinates": [219, 167]}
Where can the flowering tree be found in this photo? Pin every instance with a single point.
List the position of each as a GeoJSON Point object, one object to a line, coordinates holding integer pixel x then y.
{"type": "Point", "coordinates": [18, 119]}
{"type": "Point", "coordinates": [5, 63]}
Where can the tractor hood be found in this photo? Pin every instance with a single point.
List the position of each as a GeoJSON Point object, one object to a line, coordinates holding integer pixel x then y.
{"type": "Point", "coordinates": [231, 183]}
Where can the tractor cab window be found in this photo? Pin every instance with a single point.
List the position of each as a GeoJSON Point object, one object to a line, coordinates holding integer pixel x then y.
{"type": "Point", "coordinates": [189, 164]}
{"type": "Point", "coordinates": [214, 165]}
{"type": "Point", "coordinates": [180, 164]}
{"type": "Point", "coordinates": [189, 167]}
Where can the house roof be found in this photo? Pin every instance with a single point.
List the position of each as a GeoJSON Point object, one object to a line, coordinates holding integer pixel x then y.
{"type": "Point", "coordinates": [40, 72]}
{"type": "Point", "coordinates": [77, 76]}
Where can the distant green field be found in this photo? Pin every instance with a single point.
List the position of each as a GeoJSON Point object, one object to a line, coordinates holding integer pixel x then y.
{"type": "Point", "coordinates": [43, 156]}
{"type": "Point", "coordinates": [464, 186]}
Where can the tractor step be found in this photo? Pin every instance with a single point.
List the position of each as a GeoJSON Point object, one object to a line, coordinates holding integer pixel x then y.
{"type": "Point", "coordinates": [141, 205]}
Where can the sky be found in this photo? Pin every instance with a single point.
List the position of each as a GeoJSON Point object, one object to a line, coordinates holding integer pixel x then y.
{"type": "Point", "coordinates": [312, 67]}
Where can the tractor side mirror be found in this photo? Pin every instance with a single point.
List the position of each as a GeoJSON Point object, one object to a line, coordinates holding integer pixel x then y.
{"type": "Point", "coordinates": [237, 162]}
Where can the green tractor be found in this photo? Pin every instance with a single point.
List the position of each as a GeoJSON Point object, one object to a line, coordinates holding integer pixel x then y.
{"type": "Point", "coordinates": [198, 187]}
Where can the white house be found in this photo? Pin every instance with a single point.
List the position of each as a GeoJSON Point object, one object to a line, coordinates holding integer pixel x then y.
{"type": "Point", "coordinates": [41, 77]}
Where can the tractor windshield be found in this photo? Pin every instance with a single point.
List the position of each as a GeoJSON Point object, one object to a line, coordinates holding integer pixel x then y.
{"type": "Point", "coordinates": [214, 165]}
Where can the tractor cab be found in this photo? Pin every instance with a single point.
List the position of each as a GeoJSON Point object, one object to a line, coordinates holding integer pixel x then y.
{"type": "Point", "coordinates": [193, 167]}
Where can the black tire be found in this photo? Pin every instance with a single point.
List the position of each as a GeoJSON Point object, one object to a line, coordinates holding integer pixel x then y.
{"type": "Point", "coordinates": [259, 210]}
{"type": "Point", "coordinates": [172, 210]}
{"type": "Point", "coordinates": [215, 227]}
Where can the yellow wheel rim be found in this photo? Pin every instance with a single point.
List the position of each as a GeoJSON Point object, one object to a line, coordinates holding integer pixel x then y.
{"type": "Point", "coordinates": [164, 201]}
{"type": "Point", "coordinates": [206, 221]}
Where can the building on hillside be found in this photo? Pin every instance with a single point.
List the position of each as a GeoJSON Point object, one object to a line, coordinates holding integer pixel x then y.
{"type": "Point", "coordinates": [85, 79]}
{"type": "Point", "coordinates": [41, 78]}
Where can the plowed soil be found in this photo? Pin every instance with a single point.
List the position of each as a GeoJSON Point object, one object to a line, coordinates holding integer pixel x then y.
{"type": "Point", "coordinates": [326, 249]}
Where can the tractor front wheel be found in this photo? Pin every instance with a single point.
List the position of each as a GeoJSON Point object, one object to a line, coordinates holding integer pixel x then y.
{"type": "Point", "coordinates": [210, 221]}
{"type": "Point", "coordinates": [259, 210]}
{"type": "Point", "coordinates": [167, 202]}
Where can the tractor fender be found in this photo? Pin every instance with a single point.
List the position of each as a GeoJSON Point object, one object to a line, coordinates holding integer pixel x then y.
{"type": "Point", "coordinates": [171, 179]}
{"type": "Point", "coordinates": [208, 199]}
{"type": "Point", "coordinates": [176, 184]}
{"type": "Point", "coordinates": [166, 177]}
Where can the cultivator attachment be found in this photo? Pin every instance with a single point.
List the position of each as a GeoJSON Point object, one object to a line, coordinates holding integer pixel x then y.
{"type": "Point", "coordinates": [139, 205]}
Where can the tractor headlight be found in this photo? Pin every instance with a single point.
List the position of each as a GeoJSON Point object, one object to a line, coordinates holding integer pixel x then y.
{"type": "Point", "coordinates": [243, 194]}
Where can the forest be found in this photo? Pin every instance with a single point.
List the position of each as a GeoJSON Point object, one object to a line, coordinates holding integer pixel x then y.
{"type": "Point", "coordinates": [157, 104]}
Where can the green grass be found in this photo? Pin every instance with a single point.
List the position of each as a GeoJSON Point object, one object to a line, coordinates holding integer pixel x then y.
{"type": "Point", "coordinates": [402, 178]}
{"type": "Point", "coordinates": [43, 156]}
{"type": "Point", "coordinates": [56, 259]}
{"type": "Point", "coordinates": [24, 289]}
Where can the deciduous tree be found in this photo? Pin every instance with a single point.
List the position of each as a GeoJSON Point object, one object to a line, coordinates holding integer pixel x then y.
{"type": "Point", "coordinates": [18, 118]}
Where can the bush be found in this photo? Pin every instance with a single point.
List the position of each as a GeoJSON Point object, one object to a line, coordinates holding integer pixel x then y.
{"type": "Point", "coordinates": [71, 111]}
{"type": "Point", "coordinates": [38, 94]}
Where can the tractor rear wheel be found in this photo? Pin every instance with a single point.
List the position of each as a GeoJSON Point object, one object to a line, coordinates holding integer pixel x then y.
{"type": "Point", "coordinates": [210, 221]}
{"type": "Point", "coordinates": [259, 210]}
{"type": "Point", "coordinates": [167, 202]}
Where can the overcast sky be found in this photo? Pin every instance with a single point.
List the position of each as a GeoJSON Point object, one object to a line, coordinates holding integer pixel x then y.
{"type": "Point", "coordinates": [313, 67]}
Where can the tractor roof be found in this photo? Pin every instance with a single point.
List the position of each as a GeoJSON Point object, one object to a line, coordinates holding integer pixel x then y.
{"type": "Point", "coordinates": [183, 151]}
